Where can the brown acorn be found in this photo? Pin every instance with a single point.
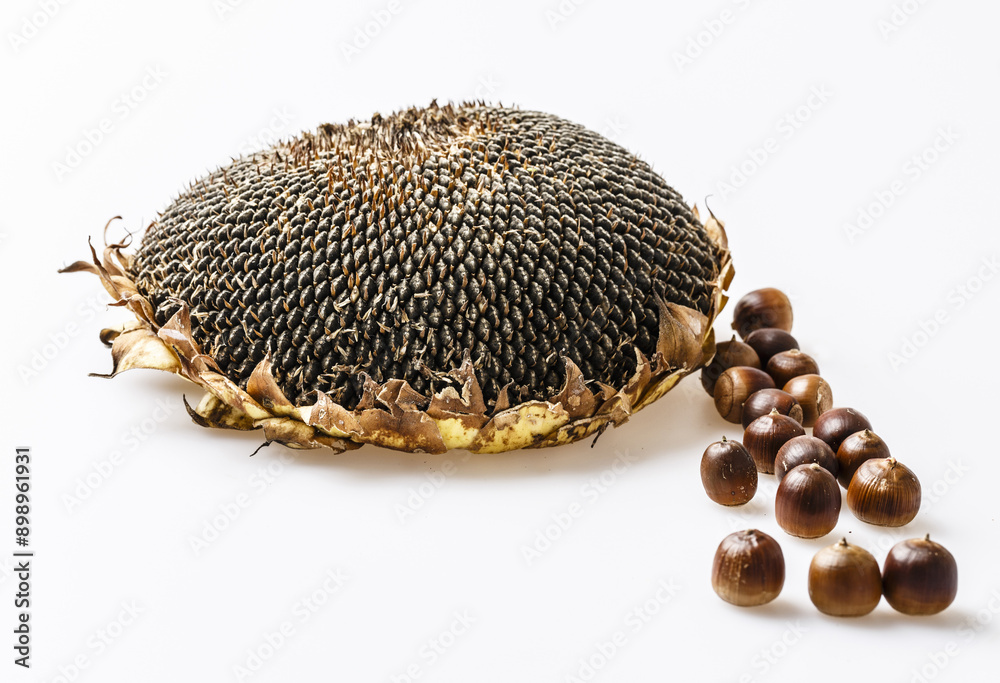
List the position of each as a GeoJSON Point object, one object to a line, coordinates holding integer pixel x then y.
{"type": "Point", "coordinates": [765, 436]}
{"type": "Point", "coordinates": [768, 307]}
{"type": "Point", "coordinates": [920, 577]}
{"type": "Point", "coordinates": [856, 449]}
{"type": "Point", "coordinates": [782, 367]}
{"type": "Point", "coordinates": [735, 386]}
{"type": "Point", "coordinates": [749, 568]}
{"type": "Point", "coordinates": [769, 341]}
{"type": "Point", "coordinates": [728, 473]}
{"type": "Point", "coordinates": [803, 450]}
{"type": "Point", "coordinates": [884, 492]}
{"type": "Point", "coordinates": [728, 354]}
{"type": "Point", "coordinates": [814, 395]}
{"type": "Point", "coordinates": [764, 401]}
{"type": "Point", "coordinates": [807, 503]}
{"type": "Point", "coordinates": [837, 424]}
{"type": "Point", "coordinates": [844, 580]}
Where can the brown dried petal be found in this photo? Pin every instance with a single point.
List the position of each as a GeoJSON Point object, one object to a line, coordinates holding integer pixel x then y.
{"type": "Point", "coordinates": [519, 427]}
{"type": "Point", "coordinates": [682, 331]}
{"type": "Point", "coordinates": [575, 397]}
{"type": "Point", "coordinates": [410, 430]}
{"type": "Point", "coordinates": [294, 434]}
{"type": "Point", "coordinates": [212, 412]}
{"type": "Point", "coordinates": [265, 390]}
{"type": "Point", "coordinates": [140, 348]}
{"type": "Point", "coordinates": [332, 417]}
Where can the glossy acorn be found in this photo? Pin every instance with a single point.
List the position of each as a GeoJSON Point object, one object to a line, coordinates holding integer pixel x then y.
{"type": "Point", "coordinates": [814, 395]}
{"type": "Point", "coordinates": [765, 436]}
{"type": "Point", "coordinates": [844, 580]}
{"type": "Point", "coordinates": [728, 473]}
{"type": "Point", "coordinates": [764, 401]}
{"type": "Point", "coordinates": [807, 503]}
{"type": "Point", "coordinates": [769, 341]}
{"type": "Point", "coordinates": [856, 449]}
{"type": "Point", "coordinates": [803, 450]}
{"type": "Point", "coordinates": [728, 354]}
{"type": "Point", "coordinates": [749, 568]}
{"type": "Point", "coordinates": [884, 492]}
{"type": "Point", "coordinates": [920, 577]}
{"type": "Point", "coordinates": [735, 386]}
{"type": "Point", "coordinates": [782, 367]}
{"type": "Point", "coordinates": [836, 424]}
{"type": "Point", "coordinates": [768, 307]}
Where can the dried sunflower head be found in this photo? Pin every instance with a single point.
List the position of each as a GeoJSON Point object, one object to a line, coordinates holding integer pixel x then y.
{"type": "Point", "coordinates": [460, 276]}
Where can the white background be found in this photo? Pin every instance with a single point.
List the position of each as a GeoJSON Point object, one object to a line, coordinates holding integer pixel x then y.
{"type": "Point", "coordinates": [184, 86]}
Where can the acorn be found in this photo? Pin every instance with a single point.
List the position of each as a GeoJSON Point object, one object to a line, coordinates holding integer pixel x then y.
{"type": "Point", "coordinates": [782, 367]}
{"type": "Point", "coordinates": [837, 424]}
{"type": "Point", "coordinates": [763, 401]}
{"type": "Point", "coordinates": [807, 503]}
{"type": "Point", "coordinates": [728, 473]}
{"type": "Point", "coordinates": [749, 568]}
{"type": "Point", "coordinates": [769, 341]}
{"type": "Point", "coordinates": [728, 354]}
{"type": "Point", "coordinates": [814, 395]}
{"type": "Point", "coordinates": [765, 436]}
{"type": "Point", "coordinates": [735, 386]}
{"type": "Point", "coordinates": [768, 307]}
{"type": "Point", "coordinates": [803, 450]}
{"type": "Point", "coordinates": [920, 577]}
{"type": "Point", "coordinates": [856, 449]}
{"type": "Point", "coordinates": [844, 580]}
{"type": "Point", "coordinates": [884, 492]}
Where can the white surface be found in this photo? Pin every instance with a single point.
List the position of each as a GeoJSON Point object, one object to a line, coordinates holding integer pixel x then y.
{"type": "Point", "coordinates": [611, 66]}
